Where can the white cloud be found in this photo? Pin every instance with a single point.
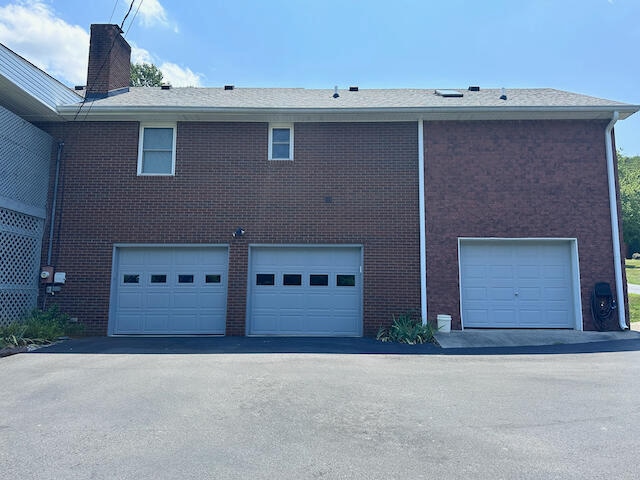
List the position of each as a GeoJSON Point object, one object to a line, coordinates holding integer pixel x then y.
{"type": "Point", "coordinates": [179, 76]}
{"type": "Point", "coordinates": [175, 74]}
{"type": "Point", "coordinates": [152, 13]}
{"type": "Point", "coordinates": [33, 31]}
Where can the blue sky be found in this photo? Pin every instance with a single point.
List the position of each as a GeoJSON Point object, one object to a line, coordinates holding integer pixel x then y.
{"type": "Point", "coordinates": [585, 46]}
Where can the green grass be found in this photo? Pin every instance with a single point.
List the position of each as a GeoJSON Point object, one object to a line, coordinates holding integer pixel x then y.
{"type": "Point", "coordinates": [634, 307]}
{"type": "Point", "coordinates": [632, 268]}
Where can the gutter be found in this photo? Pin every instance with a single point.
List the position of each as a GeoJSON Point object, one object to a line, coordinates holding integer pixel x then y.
{"type": "Point", "coordinates": [423, 224]}
{"type": "Point", "coordinates": [615, 225]}
{"type": "Point", "coordinates": [95, 111]}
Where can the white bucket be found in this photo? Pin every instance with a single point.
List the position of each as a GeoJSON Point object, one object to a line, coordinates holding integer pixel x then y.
{"type": "Point", "coordinates": [444, 323]}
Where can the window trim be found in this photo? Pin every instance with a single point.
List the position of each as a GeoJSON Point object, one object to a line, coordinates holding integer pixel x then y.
{"type": "Point", "coordinates": [174, 129]}
{"type": "Point", "coordinates": [273, 126]}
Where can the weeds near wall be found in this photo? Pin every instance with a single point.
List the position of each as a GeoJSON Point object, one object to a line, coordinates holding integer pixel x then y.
{"type": "Point", "coordinates": [406, 328]}
{"type": "Point", "coordinates": [38, 328]}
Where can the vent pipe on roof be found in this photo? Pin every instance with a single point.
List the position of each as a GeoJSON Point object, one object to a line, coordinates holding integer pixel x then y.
{"type": "Point", "coordinates": [474, 89]}
{"type": "Point", "coordinates": [353, 89]}
{"type": "Point", "coordinates": [229, 87]}
{"type": "Point", "coordinates": [503, 95]}
{"type": "Point", "coordinates": [335, 92]}
{"type": "Point", "coordinates": [165, 86]}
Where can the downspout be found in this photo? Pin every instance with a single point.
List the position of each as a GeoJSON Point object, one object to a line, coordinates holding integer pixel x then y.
{"type": "Point", "coordinates": [53, 202]}
{"type": "Point", "coordinates": [615, 226]}
{"type": "Point", "coordinates": [423, 223]}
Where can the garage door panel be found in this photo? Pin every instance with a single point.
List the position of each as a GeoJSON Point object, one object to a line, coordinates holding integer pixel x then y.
{"type": "Point", "coordinates": [130, 322]}
{"type": "Point", "coordinates": [155, 323]}
{"type": "Point", "coordinates": [524, 280]}
{"type": "Point", "coordinates": [498, 293]}
{"type": "Point", "coordinates": [530, 293]}
{"type": "Point", "coordinates": [131, 300]}
{"type": "Point", "coordinates": [475, 293]}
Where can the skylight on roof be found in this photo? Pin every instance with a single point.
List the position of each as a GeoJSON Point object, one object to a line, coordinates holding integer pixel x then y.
{"type": "Point", "coordinates": [449, 93]}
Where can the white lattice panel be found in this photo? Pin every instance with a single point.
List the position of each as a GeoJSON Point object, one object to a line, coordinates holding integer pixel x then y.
{"type": "Point", "coordinates": [20, 244]}
{"type": "Point", "coordinates": [25, 157]}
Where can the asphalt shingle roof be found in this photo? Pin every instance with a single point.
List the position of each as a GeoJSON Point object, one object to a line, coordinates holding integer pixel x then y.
{"type": "Point", "coordinates": [301, 98]}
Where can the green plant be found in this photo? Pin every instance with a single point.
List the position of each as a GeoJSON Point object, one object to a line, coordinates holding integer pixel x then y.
{"type": "Point", "coordinates": [406, 328]}
{"type": "Point", "coordinates": [38, 328]}
{"type": "Point", "coordinates": [634, 307]}
{"type": "Point", "coordinates": [632, 268]}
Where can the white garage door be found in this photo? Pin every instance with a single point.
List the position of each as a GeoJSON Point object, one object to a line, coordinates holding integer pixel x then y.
{"type": "Point", "coordinates": [305, 291]}
{"type": "Point", "coordinates": [169, 290]}
{"type": "Point", "coordinates": [517, 284]}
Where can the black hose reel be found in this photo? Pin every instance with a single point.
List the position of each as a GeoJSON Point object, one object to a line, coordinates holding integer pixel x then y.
{"type": "Point", "coordinates": [602, 305]}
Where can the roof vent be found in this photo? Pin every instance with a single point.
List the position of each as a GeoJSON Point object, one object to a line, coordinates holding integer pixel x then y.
{"type": "Point", "coordinates": [335, 92]}
{"type": "Point", "coordinates": [449, 93]}
{"type": "Point", "coordinates": [504, 94]}
{"type": "Point", "coordinates": [353, 89]}
{"type": "Point", "coordinates": [78, 87]}
{"type": "Point", "coordinates": [229, 87]}
{"type": "Point", "coordinates": [474, 89]}
{"type": "Point", "coordinates": [165, 86]}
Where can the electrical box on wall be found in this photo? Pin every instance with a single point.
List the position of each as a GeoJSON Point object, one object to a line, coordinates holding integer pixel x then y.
{"type": "Point", "coordinates": [59, 277]}
{"type": "Point", "coordinates": [46, 274]}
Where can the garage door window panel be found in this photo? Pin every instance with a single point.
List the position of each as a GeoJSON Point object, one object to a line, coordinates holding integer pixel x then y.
{"type": "Point", "coordinates": [265, 279]}
{"type": "Point", "coordinates": [213, 278]}
{"type": "Point", "coordinates": [130, 278]}
{"type": "Point", "coordinates": [291, 280]}
{"type": "Point", "coordinates": [184, 278]}
{"type": "Point", "coordinates": [319, 280]}
{"type": "Point", "coordinates": [345, 280]}
{"type": "Point", "coordinates": [159, 278]}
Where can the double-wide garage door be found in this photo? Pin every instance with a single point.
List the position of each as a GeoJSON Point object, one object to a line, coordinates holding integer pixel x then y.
{"type": "Point", "coordinates": [517, 284]}
{"type": "Point", "coordinates": [169, 290]}
{"type": "Point", "coordinates": [305, 291]}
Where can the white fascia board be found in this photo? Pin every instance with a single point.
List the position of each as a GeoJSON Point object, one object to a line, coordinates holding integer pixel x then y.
{"type": "Point", "coordinates": [107, 113]}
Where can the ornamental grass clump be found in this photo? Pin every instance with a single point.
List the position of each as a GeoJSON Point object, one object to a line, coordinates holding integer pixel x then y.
{"type": "Point", "coordinates": [40, 327]}
{"type": "Point", "coordinates": [406, 328]}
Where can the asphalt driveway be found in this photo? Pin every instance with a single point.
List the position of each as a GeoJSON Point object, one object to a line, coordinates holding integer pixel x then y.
{"type": "Point", "coordinates": [132, 415]}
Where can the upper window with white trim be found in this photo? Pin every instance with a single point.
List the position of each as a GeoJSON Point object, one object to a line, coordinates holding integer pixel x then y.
{"type": "Point", "coordinates": [157, 150]}
{"type": "Point", "coordinates": [281, 141]}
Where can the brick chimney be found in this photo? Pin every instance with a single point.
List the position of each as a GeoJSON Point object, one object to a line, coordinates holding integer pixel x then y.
{"type": "Point", "coordinates": [109, 62]}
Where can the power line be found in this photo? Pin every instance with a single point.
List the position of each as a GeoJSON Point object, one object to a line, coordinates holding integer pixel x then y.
{"type": "Point", "coordinates": [114, 10]}
{"type": "Point", "coordinates": [128, 12]}
{"type": "Point", "coordinates": [134, 17]}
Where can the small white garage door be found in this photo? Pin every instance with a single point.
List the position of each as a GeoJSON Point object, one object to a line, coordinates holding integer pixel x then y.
{"type": "Point", "coordinates": [305, 291]}
{"type": "Point", "coordinates": [169, 290]}
{"type": "Point", "coordinates": [517, 284]}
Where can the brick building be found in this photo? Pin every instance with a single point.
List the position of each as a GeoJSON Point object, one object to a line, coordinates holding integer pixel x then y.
{"type": "Point", "coordinates": [247, 211]}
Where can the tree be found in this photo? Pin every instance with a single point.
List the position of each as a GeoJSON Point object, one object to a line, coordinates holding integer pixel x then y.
{"type": "Point", "coordinates": [629, 177]}
{"type": "Point", "coordinates": [145, 75]}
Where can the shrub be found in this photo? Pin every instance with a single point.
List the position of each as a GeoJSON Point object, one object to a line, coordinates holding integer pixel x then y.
{"type": "Point", "coordinates": [38, 328]}
{"type": "Point", "coordinates": [406, 328]}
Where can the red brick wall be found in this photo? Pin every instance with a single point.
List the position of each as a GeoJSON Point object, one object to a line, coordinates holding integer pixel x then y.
{"type": "Point", "coordinates": [515, 179]}
{"type": "Point", "coordinates": [483, 179]}
{"type": "Point", "coordinates": [223, 180]}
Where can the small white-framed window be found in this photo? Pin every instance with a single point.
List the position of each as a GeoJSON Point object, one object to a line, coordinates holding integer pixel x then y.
{"type": "Point", "coordinates": [281, 141]}
{"type": "Point", "coordinates": [157, 150]}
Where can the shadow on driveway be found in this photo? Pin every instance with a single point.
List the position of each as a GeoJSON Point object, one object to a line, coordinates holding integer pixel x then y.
{"type": "Point", "coordinates": [356, 346]}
